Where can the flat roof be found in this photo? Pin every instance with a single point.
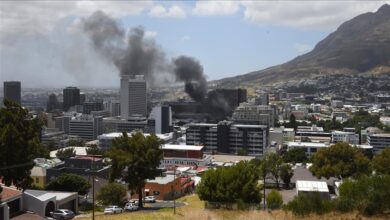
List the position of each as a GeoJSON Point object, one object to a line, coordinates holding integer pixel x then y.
{"type": "Point", "coordinates": [248, 126]}
{"type": "Point", "coordinates": [230, 158]}
{"type": "Point", "coordinates": [119, 134]}
{"type": "Point", "coordinates": [311, 186]}
{"type": "Point", "coordinates": [80, 151]}
{"type": "Point", "coordinates": [162, 179]}
{"type": "Point", "coordinates": [381, 135]}
{"type": "Point", "coordinates": [181, 147]}
{"type": "Point", "coordinates": [306, 144]}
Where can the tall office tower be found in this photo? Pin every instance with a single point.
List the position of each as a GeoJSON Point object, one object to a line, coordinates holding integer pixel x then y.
{"type": "Point", "coordinates": [52, 103]}
{"type": "Point", "coordinates": [162, 116]}
{"type": "Point", "coordinates": [133, 96]}
{"type": "Point", "coordinates": [12, 91]}
{"type": "Point", "coordinates": [71, 97]}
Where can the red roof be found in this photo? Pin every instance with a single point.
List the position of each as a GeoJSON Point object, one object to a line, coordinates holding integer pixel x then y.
{"type": "Point", "coordinates": [9, 193]}
{"type": "Point", "coordinates": [190, 183]}
{"type": "Point", "coordinates": [201, 169]}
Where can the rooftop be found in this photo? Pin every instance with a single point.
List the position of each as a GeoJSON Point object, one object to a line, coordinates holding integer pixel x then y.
{"type": "Point", "coordinates": [181, 147]}
{"type": "Point", "coordinates": [9, 193]}
{"type": "Point", "coordinates": [80, 151]}
{"type": "Point", "coordinates": [44, 195]}
{"type": "Point", "coordinates": [381, 135]}
{"type": "Point", "coordinates": [306, 144]}
{"type": "Point", "coordinates": [113, 135]}
{"type": "Point", "coordinates": [162, 179]}
{"type": "Point", "coordinates": [312, 186]}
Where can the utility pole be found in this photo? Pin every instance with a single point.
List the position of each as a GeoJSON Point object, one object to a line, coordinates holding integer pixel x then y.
{"type": "Point", "coordinates": [174, 197]}
{"type": "Point", "coordinates": [93, 187]}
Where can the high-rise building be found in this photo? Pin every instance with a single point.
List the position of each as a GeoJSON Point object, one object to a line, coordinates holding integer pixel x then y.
{"type": "Point", "coordinates": [71, 96]}
{"type": "Point", "coordinates": [133, 96]}
{"type": "Point", "coordinates": [12, 91]}
{"type": "Point", "coordinates": [162, 116]}
{"type": "Point", "coordinates": [52, 103]}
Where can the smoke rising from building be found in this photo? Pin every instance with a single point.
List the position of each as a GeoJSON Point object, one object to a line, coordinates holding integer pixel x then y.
{"type": "Point", "coordinates": [138, 55]}
{"type": "Point", "coordinates": [134, 54]}
{"type": "Point", "coordinates": [190, 71]}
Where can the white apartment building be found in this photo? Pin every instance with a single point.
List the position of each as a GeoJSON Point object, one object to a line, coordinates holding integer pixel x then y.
{"type": "Point", "coordinates": [86, 127]}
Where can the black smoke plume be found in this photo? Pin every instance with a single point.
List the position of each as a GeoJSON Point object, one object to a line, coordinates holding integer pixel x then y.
{"type": "Point", "coordinates": [189, 71]}
{"type": "Point", "coordinates": [137, 55]}
{"type": "Point", "coordinates": [134, 54]}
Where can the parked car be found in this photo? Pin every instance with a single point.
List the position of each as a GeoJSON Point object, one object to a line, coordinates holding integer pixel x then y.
{"type": "Point", "coordinates": [150, 199]}
{"type": "Point", "coordinates": [113, 209]}
{"type": "Point", "coordinates": [131, 207]}
{"type": "Point", "coordinates": [62, 214]}
{"type": "Point", "coordinates": [134, 201]}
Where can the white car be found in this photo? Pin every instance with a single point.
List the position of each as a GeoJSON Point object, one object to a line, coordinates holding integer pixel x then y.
{"type": "Point", "coordinates": [131, 207]}
{"type": "Point", "coordinates": [113, 209]}
{"type": "Point", "coordinates": [150, 199]}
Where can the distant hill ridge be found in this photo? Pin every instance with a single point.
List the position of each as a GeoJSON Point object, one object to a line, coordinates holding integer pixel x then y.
{"type": "Point", "coordinates": [359, 45]}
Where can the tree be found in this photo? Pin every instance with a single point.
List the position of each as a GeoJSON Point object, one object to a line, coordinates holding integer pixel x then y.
{"type": "Point", "coordinates": [235, 184]}
{"type": "Point", "coordinates": [94, 150]}
{"type": "Point", "coordinates": [19, 144]}
{"type": "Point", "coordinates": [339, 160]}
{"type": "Point", "coordinates": [286, 173]}
{"type": "Point", "coordinates": [69, 183]}
{"type": "Point", "coordinates": [112, 194]}
{"type": "Point", "coordinates": [381, 162]}
{"type": "Point", "coordinates": [304, 204]}
{"type": "Point", "coordinates": [274, 200]}
{"type": "Point", "coordinates": [135, 159]}
{"type": "Point", "coordinates": [63, 154]}
{"type": "Point", "coordinates": [274, 162]}
{"type": "Point", "coordinates": [369, 195]}
{"type": "Point", "coordinates": [295, 155]}
{"type": "Point", "coordinates": [293, 122]}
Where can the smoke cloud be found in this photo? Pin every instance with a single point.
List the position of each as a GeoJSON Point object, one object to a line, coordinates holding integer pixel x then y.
{"type": "Point", "coordinates": [190, 71]}
{"type": "Point", "coordinates": [138, 55]}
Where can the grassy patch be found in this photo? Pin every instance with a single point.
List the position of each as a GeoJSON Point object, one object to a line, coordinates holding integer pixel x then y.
{"type": "Point", "coordinates": [195, 211]}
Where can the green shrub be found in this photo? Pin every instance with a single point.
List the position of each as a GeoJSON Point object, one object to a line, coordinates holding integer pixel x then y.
{"type": "Point", "coordinates": [305, 204]}
{"type": "Point", "coordinates": [112, 194]}
{"type": "Point", "coordinates": [274, 200]}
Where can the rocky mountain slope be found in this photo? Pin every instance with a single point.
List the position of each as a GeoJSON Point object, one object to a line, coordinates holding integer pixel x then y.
{"type": "Point", "coordinates": [360, 45]}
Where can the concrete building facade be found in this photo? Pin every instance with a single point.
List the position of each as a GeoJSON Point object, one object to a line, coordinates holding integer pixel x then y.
{"type": "Point", "coordinates": [12, 91]}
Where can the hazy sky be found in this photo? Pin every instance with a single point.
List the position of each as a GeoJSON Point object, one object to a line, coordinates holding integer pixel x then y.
{"type": "Point", "coordinates": [42, 44]}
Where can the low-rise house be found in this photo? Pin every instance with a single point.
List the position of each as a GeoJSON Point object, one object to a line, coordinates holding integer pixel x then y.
{"type": "Point", "coordinates": [80, 165]}
{"type": "Point", "coordinates": [10, 202]}
{"type": "Point", "coordinates": [43, 202]}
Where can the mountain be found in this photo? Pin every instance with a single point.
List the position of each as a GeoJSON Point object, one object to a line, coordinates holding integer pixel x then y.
{"type": "Point", "coordinates": [359, 45]}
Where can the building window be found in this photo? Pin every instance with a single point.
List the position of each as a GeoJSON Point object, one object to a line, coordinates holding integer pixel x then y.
{"type": "Point", "coordinates": [36, 180]}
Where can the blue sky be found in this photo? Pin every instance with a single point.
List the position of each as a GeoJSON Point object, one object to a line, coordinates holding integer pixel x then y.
{"type": "Point", "coordinates": [228, 45]}
{"type": "Point", "coordinates": [41, 45]}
